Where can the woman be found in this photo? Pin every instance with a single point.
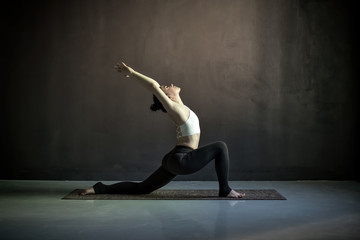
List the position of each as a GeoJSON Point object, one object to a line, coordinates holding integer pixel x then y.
{"type": "Point", "coordinates": [186, 157]}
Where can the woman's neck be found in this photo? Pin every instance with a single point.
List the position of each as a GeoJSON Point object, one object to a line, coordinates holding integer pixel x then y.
{"type": "Point", "coordinates": [177, 99]}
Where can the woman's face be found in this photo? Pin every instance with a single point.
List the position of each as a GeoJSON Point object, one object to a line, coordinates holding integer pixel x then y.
{"type": "Point", "coordinates": [171, 90]}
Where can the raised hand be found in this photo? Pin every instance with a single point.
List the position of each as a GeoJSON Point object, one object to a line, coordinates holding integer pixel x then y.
{"type": "Point", "coordinates": [122, 68]}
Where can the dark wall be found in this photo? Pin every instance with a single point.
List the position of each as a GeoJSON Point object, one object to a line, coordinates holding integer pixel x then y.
{"type": "Point", "coordinates": [273, 79]}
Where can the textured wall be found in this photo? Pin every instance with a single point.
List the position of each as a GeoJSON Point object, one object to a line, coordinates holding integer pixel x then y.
{"type": "Point", "coordinates": [273, 79]}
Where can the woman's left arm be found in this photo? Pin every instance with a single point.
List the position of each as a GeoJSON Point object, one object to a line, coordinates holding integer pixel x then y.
{"type": "Point", "coordinates": [149, 83]}
{"type": "Point", "coordinates": [145, 81]}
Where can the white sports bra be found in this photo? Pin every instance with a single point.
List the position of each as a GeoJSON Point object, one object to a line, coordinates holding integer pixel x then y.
{"type": "Point", "coordinates": [190, 127]}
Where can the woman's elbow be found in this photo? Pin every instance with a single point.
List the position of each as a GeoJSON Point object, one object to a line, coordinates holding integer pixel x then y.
{"type": "Point", "coordinates": [155, 85]}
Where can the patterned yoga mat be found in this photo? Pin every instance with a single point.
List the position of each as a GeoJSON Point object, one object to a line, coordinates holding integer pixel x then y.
{"type": "Point", "coordinates": [251, 194]}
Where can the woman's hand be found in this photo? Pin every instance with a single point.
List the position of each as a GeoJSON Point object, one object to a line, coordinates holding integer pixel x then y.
{"type": "Point", "coordinates": [121, 67]}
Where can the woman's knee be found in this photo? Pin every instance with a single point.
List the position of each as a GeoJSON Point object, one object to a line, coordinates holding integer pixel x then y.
{"type": "Point", "coordinates": [221, 146]}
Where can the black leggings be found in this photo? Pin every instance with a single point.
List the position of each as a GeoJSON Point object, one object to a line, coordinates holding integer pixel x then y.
{"type": "Point", "coordinates": [180, 161]}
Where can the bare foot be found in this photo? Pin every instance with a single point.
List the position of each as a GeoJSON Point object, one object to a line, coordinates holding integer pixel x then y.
{"type": "Point", "coordinates": [234, 194]}
{"type": "Point", "coordinates": [88, 191]}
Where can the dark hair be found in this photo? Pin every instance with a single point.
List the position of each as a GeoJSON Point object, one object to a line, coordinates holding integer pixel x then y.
{"type": "Point", "coordinates": [157, 105]}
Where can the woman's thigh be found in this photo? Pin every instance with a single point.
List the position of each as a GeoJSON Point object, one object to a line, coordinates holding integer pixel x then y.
{"type": "Point", "coordinates": [193, 161]}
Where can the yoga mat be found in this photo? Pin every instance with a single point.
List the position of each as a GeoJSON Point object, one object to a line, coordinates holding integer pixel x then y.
{"type": "Point", "coordinates": [251, 194]}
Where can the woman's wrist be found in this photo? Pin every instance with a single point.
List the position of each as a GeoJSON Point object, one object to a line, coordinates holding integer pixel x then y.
{"type": "Point", "coordinates": [131, 72]}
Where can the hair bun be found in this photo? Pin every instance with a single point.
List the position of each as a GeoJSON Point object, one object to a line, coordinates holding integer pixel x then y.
{"type": "Point", "coordinates": [157, 105]}
{"type": "Point", "coordinates": [154, 108]}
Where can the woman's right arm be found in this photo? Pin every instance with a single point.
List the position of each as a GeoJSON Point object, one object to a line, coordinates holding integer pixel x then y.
{"type": "Point", "coordinates": [149, 83]}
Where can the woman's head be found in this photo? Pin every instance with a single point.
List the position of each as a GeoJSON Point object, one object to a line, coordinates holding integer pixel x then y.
{"type": "Point", "coordinates": [173, 92]}
{"type": "Point", "coordinates": [157, 105]}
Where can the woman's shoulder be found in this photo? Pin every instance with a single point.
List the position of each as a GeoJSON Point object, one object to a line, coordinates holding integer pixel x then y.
{"type": "Point", "coordinates": [180, 113]}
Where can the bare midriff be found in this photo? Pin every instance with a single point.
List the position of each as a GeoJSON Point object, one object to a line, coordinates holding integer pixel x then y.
{"type": "Point", "coordinates": [191, 141]}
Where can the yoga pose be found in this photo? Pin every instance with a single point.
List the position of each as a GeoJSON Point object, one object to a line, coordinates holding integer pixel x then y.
{"type": "Point", "coordinates": [186, 157]}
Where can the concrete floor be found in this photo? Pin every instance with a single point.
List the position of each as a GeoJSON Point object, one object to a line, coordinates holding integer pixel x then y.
{"type": "Point", "coordinates": [313, 210]}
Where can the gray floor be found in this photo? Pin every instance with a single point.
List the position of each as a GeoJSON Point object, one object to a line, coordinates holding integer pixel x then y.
{"type": "Point", "coordinates": [313, 210]}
